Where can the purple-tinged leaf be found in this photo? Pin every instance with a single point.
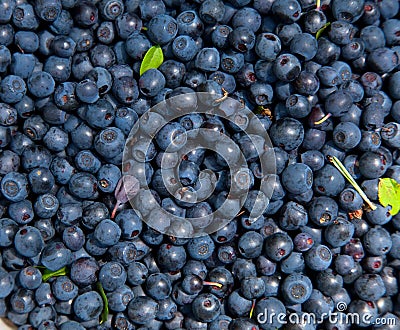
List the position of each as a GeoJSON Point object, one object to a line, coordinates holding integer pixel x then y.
{"type": "Point", "coordinates": [127, 188]}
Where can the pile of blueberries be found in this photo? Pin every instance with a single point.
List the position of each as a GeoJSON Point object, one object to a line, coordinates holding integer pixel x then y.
{"type": "Point", "coordinates": [323, 79]}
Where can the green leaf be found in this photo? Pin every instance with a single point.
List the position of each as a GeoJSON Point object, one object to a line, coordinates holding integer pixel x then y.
{"type": "Point", "coordinates": [389, 194]}
{"type": "Point", "coordinates": [104, 314]}
{"type": "Point", "coordinates": [47, 273]}
{"type": "Point", "coordinates": [152, 60]}
{"type": "Point", "coordinates": [322, 30]}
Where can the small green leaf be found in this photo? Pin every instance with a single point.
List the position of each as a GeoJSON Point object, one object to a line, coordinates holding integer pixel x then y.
{"type": "Point", "coordinates": [47, 274]}
{"type": "Point", "coordinates": [104, 314]}
{"type": "Point", "coordinates": [152, 60]}
{"type": "Point", "coordinates": [322, 30]}
{"type": "Point", "coordinates": [389, 194]}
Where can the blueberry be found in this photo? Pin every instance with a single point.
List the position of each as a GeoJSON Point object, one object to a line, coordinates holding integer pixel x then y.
{"type": "Point", "coordinates": [287, 133]}
{"type": "Point", "coordinates": [13, 89]}
{"type": "Point", "coordinates": [297, 178]}
{"type": "Point", "coordinates": [29, 242]}
{"type": "Point", "coordinates": [381, 241]}
{"type": "Point", "coordinates": [212, 11]}
{"type": "Point", "coordinates": [287, 12]}
{"type": "Point", "coordinates": [296, 288]}
{"type": "Point", "coordinates": [63, 23]}
{"type": "Point", "coordinates": [270, 304]}
{"type": "Point", "coordinates": [319, 257]}
{"type": "Point", "coordinates": [242, 39]}
{"type": "Point", "coordinates": [189, 23]}
{"type": "Point", "coordinates": [88, 306]}
{"type": "Point", "coordinates": [328, 181]}
{"type": "Point", "coordinates": [347, 11]}
{"type": "Point", "coordinates": [141, 310]}
{"type": "Point", "coordinates": [14, 186]}
{"type": "Point", "coordinates": [48, 10]}
{"type": "Point", "coordinates": [41, 84]}
{"type": "Point", "coordinates": [162, 29]}
{"type": "Point", "coordinates": [55, 256]}
{"type": "Point", "coordinates": [24, 17]}
{"type": "Point", "coordinates": [128, 23]}
{"type": "Point", "coordinates": [107, 233]}
{"type": "Point", "coordinates": [83, 185]}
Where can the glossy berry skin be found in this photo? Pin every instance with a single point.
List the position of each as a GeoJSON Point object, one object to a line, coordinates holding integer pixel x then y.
{"type": "Point", "coordinates": [141, 310]}
{"type": "Point", "coordinates": [200, 248]}
{"type": "Point", "coordinates": [88, 306]}
{"type": "Point", "coordinates": [64, 289]}
{"type": "Point", "coordinates": [73, 238]}
{"type": "Point", "coordinates": [112, 275]}
{"type": "Point", "coordinates": [287, 133]}
{"type": "Point", "coordinates": [13, 88]}
{"type": "Point", "coordinates": [30, 278]}
{"type": "Point", "coordinates": [212, 11]}
{"type": "Point", "coordinates": [162, 29]}
{"type": "Point", "coordinates": [208, 59]}
{"type": "Point", "coordinates": [318, 257]}
{"type": "Point", "coordinates": [206, 307]}
{"type": "Point", "coordinates": [107, 233]}
{"type": "Point", "coordinates": [184, 48]}
{"type": "Point", "coordinates": [346, 135]}
{"type": "Point", "coordinates": [252, 287]}
{"type": "Point", "coordinates": [242, 39]}
{"type": "Point", "coordinates": [382, 243]}
{"type": "Point", "coordinates": [22, 301]}
{"type": "Point", "coordinates": [24, 17]}
{"type": "Point", "coordinates": [369, 287]}
{"type": "Point", "coordinates": [14, 186]}
{"type": "Point", "coordinates": [151, 82]}
{"type": "Point", "coordinates": [328, 181]}
{"type": "Point", "coordinates": [83, 185]}
{"type": "Point", "coordinates": [29, 242]}
{"type": "Point", "coordinates": [55, 256]}
{"type": "Point", "coordinates": [84, 271]}
{"type": "Point", "coordinates": [158, 286]}
{"type": "Point", "coordinates": [323, 211]}
{"type": "Point", "coordinates": [347, 11]}
{"type": "Point", "coordinates": [41, 180]}
{"type": "Point", "coordinates": [287, 12]}
{"type": "Point", "coordinates": [189, 23]}
{"type": "Point", "coordinates": [296, 288]}
{"type": "Point", "coordinates": [87, 91]}
{"type": "Point", "coordinates": [250, 244]}
{"type": "Point", "coordinates": [278, 246]}
{"type": "Point", "coordinates": [171, 258]}
{"type": "Point", "coordinates": [120, 298]}
{"type": "Point", "coordinates": [297, 178]}
{"type": "Point", "coordinates": [372, 165]}
{"type": "Point", "coordinates": [125, 89]}
{"type": "Point", "coordinates": [110, 142]}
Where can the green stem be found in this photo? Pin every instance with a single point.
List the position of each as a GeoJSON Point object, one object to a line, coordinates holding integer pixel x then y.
{"type": "Point", "coordinates": [104, 314]}
{"type": "Point", "coordinates": [342, 169]}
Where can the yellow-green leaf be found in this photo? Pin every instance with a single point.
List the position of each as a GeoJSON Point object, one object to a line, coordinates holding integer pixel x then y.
{"type": "Point", "coordinates": [389, 194]}
{"type": "Point", "coordinates": [152, 60]}
{"type": "Point", "coordinates": [104, 314]}
{"type": "Point", "coordinates": [322, 30]}
{"type": "Point", "coordinates": [47, 273]}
